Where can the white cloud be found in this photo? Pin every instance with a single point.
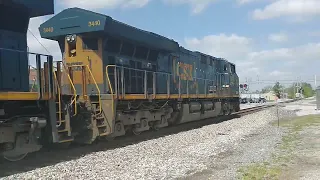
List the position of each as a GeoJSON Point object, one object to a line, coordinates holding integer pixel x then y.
{"type": "Point", "coordinates": [233, 47]}
{"type": "Point", "coordinates": [299, 9]}
{"type": "Point", "coordinates": [281, 63]}
{"type": "Point", "coordinates": [278, 73]}
{"type": "Point", "coordinates": [197, 5]}
{"type": "Point", "coordinates": [279, 38]}
{"type": "Point", "coordinates": [101, 4]}
{"type": "Point", "coordinates": [254, 70]}
{"type": "Point", "coordinates": [221, 45]}
{"type": "Point", "coordinates": [313, 33]}
{"type": "Point", "coordinates": [306, 53]}
{"type": "Point", "coordinates": [249, 1]}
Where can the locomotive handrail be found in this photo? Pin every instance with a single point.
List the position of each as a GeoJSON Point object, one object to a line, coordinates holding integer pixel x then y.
{"type": "Point", "coordinates": [59, 99]}
{"type": "Point", "coordinates": [108, 79]}
{"type": "Point", "coordinates": [158, 72]}
{"type": "Point", "coordinates": [95, 82]}
{"type": "Point", "coordinates": [98, 89]}
{"type": "Point", "coordinates": [34, 81]}
{"type": "Point", "coordinates": [212, 84]}
{"type": "Point", "coordinates": [74, 90]}
{"type": "Point", "coordinates": [110, 88]}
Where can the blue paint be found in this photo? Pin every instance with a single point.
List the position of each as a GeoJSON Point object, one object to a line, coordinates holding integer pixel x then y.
{"type": "Point", "coordinates": [75, 21]}
{"type": "Point", "coordinates": [14, 21]}
{"type": "Point", "coordinates": [199, 72]}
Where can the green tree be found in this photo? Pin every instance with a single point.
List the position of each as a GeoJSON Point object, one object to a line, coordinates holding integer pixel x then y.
{"type": "Point", "coordinates": [291, 91]}
{"type": "Point", "coordinates": [33, 87]}
{"type": "Point", "coordinates": [277, 89]}
{"type": "Point", "coordinates": [306, 89]}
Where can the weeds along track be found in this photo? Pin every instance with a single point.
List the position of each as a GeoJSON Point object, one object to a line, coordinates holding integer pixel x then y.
{"type": "Point", "coordinates": [47, 156]}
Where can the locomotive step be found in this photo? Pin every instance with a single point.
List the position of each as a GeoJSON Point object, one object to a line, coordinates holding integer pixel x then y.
{"type": "Point", "coordinates": [99, 116]}
{"type": "Point", "coordinates": [104, 134]}
{"type": "Point", "coordinates": [66, 140]}
{"type": "Point", "coordinates": [94, 102]}
{"type": "Point", "coordinates": [101, 126]}
{"type": "Point", "coordinates": [63, 130]}
{"type": "Point", "coordinates": [63, 137]}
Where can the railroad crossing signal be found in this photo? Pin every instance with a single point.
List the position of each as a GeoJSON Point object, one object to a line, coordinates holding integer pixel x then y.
{"type": "Point", "coordinates": [244, 87]}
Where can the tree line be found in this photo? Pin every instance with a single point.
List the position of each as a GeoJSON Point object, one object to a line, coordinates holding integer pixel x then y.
{"type": "Point", "coordinates": [278, 89]}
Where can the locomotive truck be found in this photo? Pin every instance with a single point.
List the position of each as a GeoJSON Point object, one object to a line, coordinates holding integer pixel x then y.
{"type": "Point", "coordinates": [113, 80]}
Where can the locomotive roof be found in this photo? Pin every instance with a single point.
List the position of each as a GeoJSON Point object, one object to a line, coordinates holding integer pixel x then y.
{"type": "Point", "coordinates": [35, 7]}
{"type": "Point", "coordinates": [78, 21]}
{"type": "Point", "coordinates": [206, 55]}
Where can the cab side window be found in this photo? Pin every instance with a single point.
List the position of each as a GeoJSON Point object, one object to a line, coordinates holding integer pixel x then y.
{"type": "Point", "coordinates": [233, 68]}
{"type": "Point", "coordinates": [90, 43]}
{"type": "Point", "coordinates": [225, 68]}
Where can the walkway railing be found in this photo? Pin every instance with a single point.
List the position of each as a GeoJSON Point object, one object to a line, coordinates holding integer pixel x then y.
{"type": "Point", "coordinates": [174, 86]}
{"type": "Point", "coordinates": [84, 69]}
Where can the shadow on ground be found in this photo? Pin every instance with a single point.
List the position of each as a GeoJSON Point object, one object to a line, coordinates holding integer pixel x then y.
{"type": "Point", "coordinates": [48, 157]}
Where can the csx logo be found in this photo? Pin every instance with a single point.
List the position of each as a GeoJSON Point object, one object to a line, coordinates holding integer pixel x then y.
{"type": "Point", "coordinates": [185, 71]}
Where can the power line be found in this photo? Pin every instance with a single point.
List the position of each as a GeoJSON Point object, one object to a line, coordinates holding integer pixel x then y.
{"type": "Point", "coordinates": [40, 42]}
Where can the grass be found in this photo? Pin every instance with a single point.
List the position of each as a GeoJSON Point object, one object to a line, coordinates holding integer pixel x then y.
{"type": "Point", "coordinates": [279, 161]}
{"type": "Point", "coordinates": [297, 124]}
{"type": "Point", "coordinates": [259, 171]}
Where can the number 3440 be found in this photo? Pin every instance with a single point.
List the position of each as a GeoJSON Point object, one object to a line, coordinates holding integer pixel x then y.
{"type": "Point", "coordinates": [94, 23]}
{"type": "Point", "coordinates": [48, 29]}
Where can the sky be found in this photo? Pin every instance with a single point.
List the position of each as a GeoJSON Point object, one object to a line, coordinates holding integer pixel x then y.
{"type": "Point", "coordinates": [268, 40]}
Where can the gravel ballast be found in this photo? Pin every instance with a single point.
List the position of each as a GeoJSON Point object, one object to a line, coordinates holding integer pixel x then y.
{"type": "Point", "coordinates": [174, 156]}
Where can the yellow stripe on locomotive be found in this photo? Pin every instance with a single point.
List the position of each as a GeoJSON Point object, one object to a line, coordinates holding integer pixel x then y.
{"type": "Point", "coordinates": [114, 78]}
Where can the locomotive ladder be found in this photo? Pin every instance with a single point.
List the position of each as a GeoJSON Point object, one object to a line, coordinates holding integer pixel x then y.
{"type": "Point", "coordinates": [99, 121]}
{"type": "Point", "coordinates": [49, 81]}
{"type": "Point", "coordinates": [63, 114]}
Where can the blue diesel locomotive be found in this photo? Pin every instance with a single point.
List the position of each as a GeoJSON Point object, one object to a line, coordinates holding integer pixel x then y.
{"type": "Point", "coordinates": [114, 78]}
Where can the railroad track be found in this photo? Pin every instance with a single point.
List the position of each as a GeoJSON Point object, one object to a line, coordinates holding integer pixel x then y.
{"type": "Point", "coordinates": [47, 157]}
{"type": "Point", "coordinates": [251, 110]}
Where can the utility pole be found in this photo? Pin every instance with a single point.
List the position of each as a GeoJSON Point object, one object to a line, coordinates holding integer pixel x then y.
{"type": "Point", "coordinates": [300, 86]}
{"type": "Point", "coordinates": [247, 84]}
{"type": "Point", "coordinates": [315, 81]}
{"type": "Point", "coordinates": [296, 89]}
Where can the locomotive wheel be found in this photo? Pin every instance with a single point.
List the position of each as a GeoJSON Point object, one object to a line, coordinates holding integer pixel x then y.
{"type": "Point", "coordinates": [228, 112]}
{"type": "Point", "coordinates": [155, 124]}
{"type": "Point", "coordinates": [109, 138]}
{"type": "Point", "coordinates": [15, 158]}
{"type": "Point", "coordinates": [155, 127]}
{"type": "Point", "coordinates": [136, 132]}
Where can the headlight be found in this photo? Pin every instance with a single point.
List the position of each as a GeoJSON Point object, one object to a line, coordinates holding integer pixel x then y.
{"type": "Point", "coordinates": [73, 37]}
{"type": "Point", "coordinates": [68, 38]}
